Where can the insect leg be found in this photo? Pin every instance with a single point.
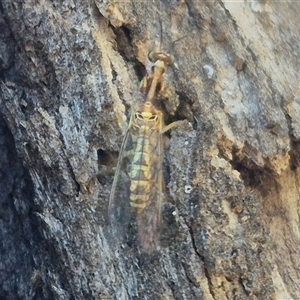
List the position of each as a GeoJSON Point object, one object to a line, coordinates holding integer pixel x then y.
{"type": "Point", "coordinates": [170, 126]}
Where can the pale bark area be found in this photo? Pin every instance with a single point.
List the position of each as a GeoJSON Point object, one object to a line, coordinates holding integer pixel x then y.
{"type": "Point", "coordinates": [70, 71]}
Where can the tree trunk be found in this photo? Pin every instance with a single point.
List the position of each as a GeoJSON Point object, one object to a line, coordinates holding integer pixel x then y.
{"type": "Point", "coordinates": [70, 73]}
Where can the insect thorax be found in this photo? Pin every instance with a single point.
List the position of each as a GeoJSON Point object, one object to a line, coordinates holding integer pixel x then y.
{"type": "Point", "coordinates": [147, 117]}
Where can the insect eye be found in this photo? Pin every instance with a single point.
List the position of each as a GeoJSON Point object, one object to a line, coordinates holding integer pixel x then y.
{"type": "Point", "coordinates": [166, 58]}
{"type": "Point", "coordinates": [152, 56]}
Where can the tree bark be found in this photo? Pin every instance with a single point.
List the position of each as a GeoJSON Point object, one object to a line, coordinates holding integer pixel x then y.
{"type": "Point", "coordinates": [70, 73]}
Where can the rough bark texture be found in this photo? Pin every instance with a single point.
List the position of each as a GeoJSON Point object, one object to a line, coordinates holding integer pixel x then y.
{"type": "Point", "coordinates": [70, 71]}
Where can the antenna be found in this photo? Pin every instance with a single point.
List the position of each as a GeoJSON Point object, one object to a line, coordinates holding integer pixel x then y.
{"type": "Point", "coordinates": [161, 34]}
{"type": "Point", "coordinates": [183, 37]}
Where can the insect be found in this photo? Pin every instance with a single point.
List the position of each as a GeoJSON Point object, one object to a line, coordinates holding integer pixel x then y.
{"type": "Point", "coordinates": [137, 192]}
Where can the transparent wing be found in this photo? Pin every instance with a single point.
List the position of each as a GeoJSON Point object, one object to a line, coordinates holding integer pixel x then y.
{"type": "Point", "coordinates": [129, 224]}
{"type": "Point", "coordinates": [119, 211]}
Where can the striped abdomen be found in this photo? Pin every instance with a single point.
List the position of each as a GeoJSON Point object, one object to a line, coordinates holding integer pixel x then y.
{"type": "Point", "coordinates": [146, 156]}
{"type": "Point", "coordinates": [141, 172]}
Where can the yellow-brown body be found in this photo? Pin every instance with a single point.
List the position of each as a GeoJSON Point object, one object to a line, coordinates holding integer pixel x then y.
{"type": "Point", "coordinates": [146, 161]}
{"type": "Point", "coordinates": [137, 192]}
